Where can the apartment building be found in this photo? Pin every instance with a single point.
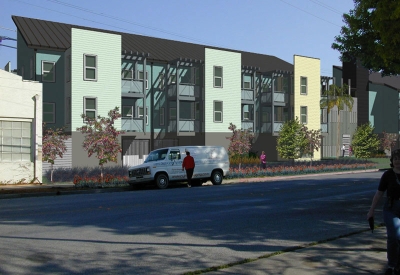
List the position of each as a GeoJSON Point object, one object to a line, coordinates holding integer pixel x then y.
{"type": "Point", "coordinates": [169, 92]}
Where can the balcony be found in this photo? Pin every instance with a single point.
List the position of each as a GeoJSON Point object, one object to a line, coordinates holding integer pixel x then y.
{"type": "Point", "coordinates": [279, 97]}
{"type": "Point", "coordinates": [132, 124]}
{"type": "Point", "coordinates": [247, 124]}
{"type": "Point", "coordinates": [132, 87]}
{"type": "Point", "coordinates": [248, 94]}
{"type": "Point", "coordinates": [188, 90]}
{"type": "Point", "coordinates": [185, 126]}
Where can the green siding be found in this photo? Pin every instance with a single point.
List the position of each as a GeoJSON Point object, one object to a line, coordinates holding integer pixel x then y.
{"type": "Point", "coordinates": [107, 88]}
{"type": "Point", "coordinates": [230, 93]}
{"type": "Point", "coordinates": [53, 91]}
{"type": "Point", "coordinates": [383, 108]}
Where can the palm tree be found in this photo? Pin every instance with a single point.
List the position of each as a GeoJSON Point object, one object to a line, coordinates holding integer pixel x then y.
{"type": "Point", "coordinates": [339, 97]}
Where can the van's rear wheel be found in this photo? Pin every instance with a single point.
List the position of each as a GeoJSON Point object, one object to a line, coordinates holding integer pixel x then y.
{"type": "Point", "coordinates": [216, 178]}
{"type": "Point", "coordinates": [162, 181]}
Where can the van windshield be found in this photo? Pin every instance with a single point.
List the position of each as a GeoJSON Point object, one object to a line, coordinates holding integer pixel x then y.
{"type": "Point", "coordinates": [156, 155]}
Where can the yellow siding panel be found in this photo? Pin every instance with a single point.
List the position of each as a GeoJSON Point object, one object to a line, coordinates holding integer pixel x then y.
{"type": "Point", "coordinates": [310, 68]}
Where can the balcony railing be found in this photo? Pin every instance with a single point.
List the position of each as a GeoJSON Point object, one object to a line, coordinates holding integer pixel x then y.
{"type": "Point", "coordinates": [248, 94]}
{"type": "Point", "coordinates": [184, 90]}
{"type": "Point", "coordinates": [132, 124]}
{"type": "Point", "coordinates": [132, 86]}
{"type": "Point", "coordinates": [247, 124]}
{"type": "Point", "coordinates": [279, 97]}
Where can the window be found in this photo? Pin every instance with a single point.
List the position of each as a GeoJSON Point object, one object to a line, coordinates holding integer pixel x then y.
{"type": "Point", "coordinates": [217, 77]}
{"type": "Point", "coordinates": [303, 114]}
{"type": "Point", "coordinates": [247, 85]}
{"type": "Point", "coordinates": [161, 83]}
{"type": "Point", "coordinates": [90, 107]}
{"type": "Point", "coordinates": [48, 71]}
{"type": "Point", "coordinates": [162, 114]}
{"type": "Point", "coordinates": [90, 67]}
{"type": "Point", "coordinates": [172, 113]}
{"type": "Point", "coordinates": [172, 79]}
{"type": "Point", "coordinates": [303, 85]}
{"type": "Point", "coordinates": [127, 74]}
{"type": "Point", "coordinates": [217, 111]}
{"type": "Point", "coordinates": [49, 112]}
{"type": "Point", "coordinates": [68, 78]}
{"type": "Point", "coordinates": [15, 141]}
{"type": "Point", "coordinates": [140, 77]}
{"type": "Point", "coordinates": [140, 114]}
{"type": "Point", "coordinates": [127, 111]}
{"type": "Point", "coordinates": [31, 68]}
{"type": "Point", "coordinates": [68, 111]}
{"type": "Point", "coordinates": [174, 155]}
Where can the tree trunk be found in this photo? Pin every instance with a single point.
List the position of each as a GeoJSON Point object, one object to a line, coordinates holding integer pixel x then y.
{"type": "Point", "coordinates": [338, 148]}
{"type": "Point", "coordinates": [101, 172]}
{"type": "Point", "coordinates": [51, 173]}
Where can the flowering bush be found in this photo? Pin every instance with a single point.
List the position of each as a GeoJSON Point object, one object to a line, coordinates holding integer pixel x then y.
{"type": "Point", "coordinates": [256, 171]}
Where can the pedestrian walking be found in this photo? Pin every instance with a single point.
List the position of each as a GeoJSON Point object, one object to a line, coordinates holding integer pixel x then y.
{"type": "Point", "coordinates": [188, 165]}
{"type": "Point", "coordinates": [263, 160]}
{"type": "Point", "coordinates": [343, 150]}
{"type": "Point", "coordinates": [390, 183]}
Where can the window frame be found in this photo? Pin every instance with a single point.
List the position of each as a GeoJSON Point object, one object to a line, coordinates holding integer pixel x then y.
{"type": "Point", "coordinates": [85, 67]}
{"type": "Point", "coordinates": [9, 140]}
{"type": "Point", "coordinates": [162, 116]}
{"type": "Point", "coordinates": [303, 85]}
{"type": "Point", "coordinates": [215, 111]}
{"type": "Point", "coordinates": [218, 77]}
{"type": "Point", "coordinates": [86, 109]}
{"type": "Point", "coordinates": [68, 72]}
{"type": "Point", "coordinates": [161, 78]}
{"type": "Point", "coordinates": [303, 115]}
{"type": "Point", "coordinates": [68, 115]}
{"type": "Point", "coordinates": [123, 111]}
{"type": "Point", "coordinates": [141, 78]}
{"type": "Point", "coordinates": [48, 72]}
{"type": "Point", "coordinates": [123, 75]}
{"type": "Point", "coordinates": [53, 113]}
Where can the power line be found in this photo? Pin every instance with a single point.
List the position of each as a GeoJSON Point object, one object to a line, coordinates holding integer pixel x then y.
{"type": "Point", "coordinates": [107, 16]}
{"type": "Point", "coordinates": [327, 6]}
{"type": "Point", "coordinates": [310, 14]}
{"type": "Point", "coordinates": [7, 29]}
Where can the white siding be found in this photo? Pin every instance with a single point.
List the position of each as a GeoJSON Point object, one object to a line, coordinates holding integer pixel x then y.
{"type": "Point", "coordinates": [21, 100]}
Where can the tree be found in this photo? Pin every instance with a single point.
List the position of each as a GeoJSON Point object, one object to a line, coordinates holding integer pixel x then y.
{"type": "Point", "coordinates": [292, 141]}
{"type": "Point", "coordinates": [240, 141]}
{"type": "Point", "coordinates": [372, 34]}
{"type": "Point", "coordinates": [53, 145]}
{"type": "Point", "coordinates": [365, 142]}
{"type": "Point", "coordinates": [102, 137]}
{"type": "Point", "coordinates": [388, 141]}
{"type": "Point", "coordinates": [313, 138]}
{"type": "Point", "coordinates": [339, 97]}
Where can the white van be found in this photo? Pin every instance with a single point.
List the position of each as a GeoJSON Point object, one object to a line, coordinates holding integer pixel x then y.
{"type": "Point", "coordinates": [165, 165]}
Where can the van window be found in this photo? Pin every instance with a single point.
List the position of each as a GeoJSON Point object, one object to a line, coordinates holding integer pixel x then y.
{"type": "Point", "coordinates": [157, 155]}
{"type": "Point", "coordinates": [174, 155]}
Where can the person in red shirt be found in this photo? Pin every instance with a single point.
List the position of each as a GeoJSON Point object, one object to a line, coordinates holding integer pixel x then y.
{"type": "Point", "coordinates": [188, 164]}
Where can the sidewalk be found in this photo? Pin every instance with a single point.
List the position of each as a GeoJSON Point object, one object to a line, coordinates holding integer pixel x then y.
{"type": "Point", "coordinates": [361, 253]}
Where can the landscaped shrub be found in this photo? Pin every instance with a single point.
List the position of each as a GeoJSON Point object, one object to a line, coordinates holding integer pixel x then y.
{"type": "Point", "coordinates": [117, 176]}
{"type": "Point", "coordinates": [68, 174]}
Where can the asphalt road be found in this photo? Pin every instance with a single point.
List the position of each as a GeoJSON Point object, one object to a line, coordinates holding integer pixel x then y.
{"type": "Point", "coordinates": [178, 230]}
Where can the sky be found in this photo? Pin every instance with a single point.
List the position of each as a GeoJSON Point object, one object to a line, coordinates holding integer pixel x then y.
{"type": "Point", "coordinates": [282, 28]}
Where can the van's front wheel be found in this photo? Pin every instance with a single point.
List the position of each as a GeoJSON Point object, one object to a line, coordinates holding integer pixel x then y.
{"type": "Point", "coordinates": [216, 178]}
{"type": "Point", "coordinates": [162, 181]}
